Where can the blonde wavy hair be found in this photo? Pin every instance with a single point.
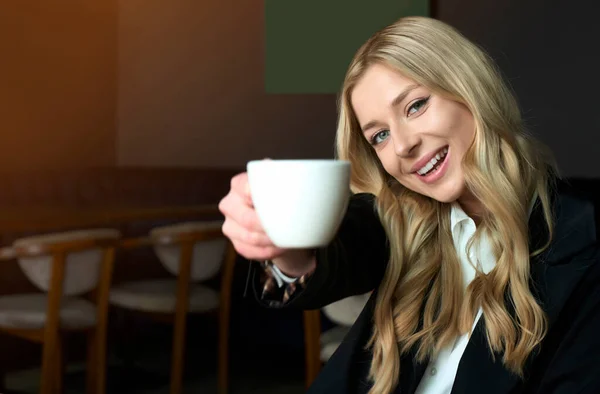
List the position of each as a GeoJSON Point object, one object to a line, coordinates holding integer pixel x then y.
{"type": "Point", "coordinates": [504, 169]}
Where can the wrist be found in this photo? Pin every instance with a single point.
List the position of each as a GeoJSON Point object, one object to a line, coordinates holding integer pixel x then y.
{"type": "Point", "coordinates": [296, 263]}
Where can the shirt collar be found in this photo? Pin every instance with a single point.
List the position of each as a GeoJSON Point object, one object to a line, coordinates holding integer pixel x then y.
{"type": "Point", "coordinates": [457, 216]}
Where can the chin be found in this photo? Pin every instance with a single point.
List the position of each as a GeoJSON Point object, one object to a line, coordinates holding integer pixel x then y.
{"type": "Point", "coordinates": [447, 194]}
{"type": "Point", "coordinates": [444, 199]}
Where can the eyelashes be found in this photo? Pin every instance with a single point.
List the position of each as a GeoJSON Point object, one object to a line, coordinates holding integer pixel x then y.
{"type": "Point", "coordinates": [417, 105]}
{"type": "Point", "coordinates": [414, 108]}
{"type": "Point", "coordinates": [379, 137]}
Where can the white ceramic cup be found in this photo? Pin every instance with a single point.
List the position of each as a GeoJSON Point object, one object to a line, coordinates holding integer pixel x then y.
{"type": "Point", "coordinates": [300, 203]}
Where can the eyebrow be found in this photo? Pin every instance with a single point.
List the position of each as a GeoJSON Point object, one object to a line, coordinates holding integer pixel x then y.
{"type": "Point", "coordinates": [396, 101]}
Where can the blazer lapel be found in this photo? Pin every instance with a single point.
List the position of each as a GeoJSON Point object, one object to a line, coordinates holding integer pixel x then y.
{"type": "Point", "coordinates": [348, 368]}
{"type": "Point", "coordinates": [411, 373]}
{"type": "Point", "coordinates": [554, 275]}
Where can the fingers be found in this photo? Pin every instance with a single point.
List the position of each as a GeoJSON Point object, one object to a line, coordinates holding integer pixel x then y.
{"type": "Point", "coordinates": [255, 252]}
{"type": "Point", "coordinates": [241, 234]}
{"type": "Point", "coordinates": [242, 225]}
{"type": "Point", "coordinates": [241, 187]}
{"type": "Point", "coordinates": [235, 208]}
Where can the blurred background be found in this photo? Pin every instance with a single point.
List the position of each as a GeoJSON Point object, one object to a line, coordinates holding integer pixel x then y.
{"type": "Point", "coordinates": [133, 115]}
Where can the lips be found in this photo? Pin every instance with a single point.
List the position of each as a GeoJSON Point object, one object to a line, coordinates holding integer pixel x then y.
{"type": "Point", "coordinates": [427, 159]}
{"type": "Point", "coordinates": [434, 163]}
{"type": "Point", "coordinates": [433, 173]}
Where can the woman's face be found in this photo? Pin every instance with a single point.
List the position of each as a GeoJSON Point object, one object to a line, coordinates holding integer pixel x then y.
{"type": "Point", "coordinates": [419, 137]}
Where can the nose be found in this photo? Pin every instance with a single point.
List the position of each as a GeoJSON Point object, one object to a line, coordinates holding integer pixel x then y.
{"type": "Point", "coordinates": [406, 142]}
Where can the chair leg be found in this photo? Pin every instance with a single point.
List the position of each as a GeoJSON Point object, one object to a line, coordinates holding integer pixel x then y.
{"type": "Point", "coordinates": [52, 325]}
{"type": "Point", "coordinates": [224, 319]}
{"type": "Point", "coordinates": [100, 359]}
{"type": "Point", "coordinates": [312, 344]}
{"type": "Point", "coordinates": [181, 310]}
{"type": "Point", "coordinates": [223, 352]}
{"type": "Point", "coordinates": [59, 366]}
{"type": "Point", "coordinates": [177, 363]}
{"type": "Point", "coordinates": [92, 365]}
{"type": "Point", "coordinates": [96, 362]}
{"type": "Point", "coordinates": [178, 357]}
{"type": "Point", "coordinates": [50, 348]}
{"type": "Point", "coordinates": [101, 329]}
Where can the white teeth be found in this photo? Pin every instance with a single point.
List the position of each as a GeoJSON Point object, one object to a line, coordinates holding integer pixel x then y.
{"type": "Point", "coordinates": [427, 167]}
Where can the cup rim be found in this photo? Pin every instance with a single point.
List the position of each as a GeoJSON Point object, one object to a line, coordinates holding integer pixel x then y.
{"type": "Point", "coordinates": [334, 162]}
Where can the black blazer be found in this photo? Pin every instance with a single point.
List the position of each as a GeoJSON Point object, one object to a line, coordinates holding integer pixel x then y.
{"type": "Point", "coordinates": [565, 279]}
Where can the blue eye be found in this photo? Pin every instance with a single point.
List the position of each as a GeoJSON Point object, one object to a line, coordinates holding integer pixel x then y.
{"type": "Point", "coordinates": [380, 137]}
{"type": "Point", "coordinates": [417, 105]}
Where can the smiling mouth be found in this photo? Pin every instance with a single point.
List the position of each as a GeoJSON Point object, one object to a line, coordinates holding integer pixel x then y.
{"type": "Point", "coordinates": [434, 164]}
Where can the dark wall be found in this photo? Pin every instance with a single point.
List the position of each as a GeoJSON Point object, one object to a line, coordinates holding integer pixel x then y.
{"type": "Point", "coordinates": [549, 52]}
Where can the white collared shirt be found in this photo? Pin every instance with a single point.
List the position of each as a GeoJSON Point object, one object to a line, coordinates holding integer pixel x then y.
{"type": "Point", "coordinates": [441, 371]}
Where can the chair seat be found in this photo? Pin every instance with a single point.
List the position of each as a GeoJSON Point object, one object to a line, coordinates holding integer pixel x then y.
{"type": "Point", "coordinates": [346, 311]}
{"type": "Point", "coordinates": [160, 296]}
{"type": "Point", "coordinates": [28, 311]}
{"type": "Point", "coordinates": [331, 340]}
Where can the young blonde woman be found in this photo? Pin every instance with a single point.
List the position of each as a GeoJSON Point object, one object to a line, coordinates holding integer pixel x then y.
{"type": "Point", "coordinates": [485, 270]}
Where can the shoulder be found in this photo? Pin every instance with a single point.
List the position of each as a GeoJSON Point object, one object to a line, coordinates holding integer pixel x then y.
{"type": "Point", "coordinates": [575, 223]}
{"type": "Point", "coordinates": [578, 196]}
{"type": "Point", "coordinates": [581, 197]}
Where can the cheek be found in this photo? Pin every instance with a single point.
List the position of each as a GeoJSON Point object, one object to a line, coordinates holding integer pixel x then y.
{"type": "Point", "coordinates": [463, 128]}
{"type": "Point", "coordinates": [388, 161]}
{"type": "Point", "coordinates": [453, 121]}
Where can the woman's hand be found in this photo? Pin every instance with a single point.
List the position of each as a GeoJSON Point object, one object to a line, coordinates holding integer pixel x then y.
{"type": "Point", "coordinates": [242, 226]}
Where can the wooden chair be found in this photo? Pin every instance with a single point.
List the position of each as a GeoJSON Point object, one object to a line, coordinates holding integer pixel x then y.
{"type": "Point", "coordinates": [65, 266]}
{"type": "Point", "coordinates": [312, 345]}
{"type": "Point", "coordinates": [192, 252]}
{"type": "Point", "coordinates": [319, 347]}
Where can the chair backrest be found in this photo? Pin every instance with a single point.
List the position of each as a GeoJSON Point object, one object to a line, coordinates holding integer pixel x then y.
{"type": "Point", "coordinates": [209, 246]}
{"type": "Point", "coordinates": [83, 251]}
{"type": "Point", "coordinates": [345, 311]}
